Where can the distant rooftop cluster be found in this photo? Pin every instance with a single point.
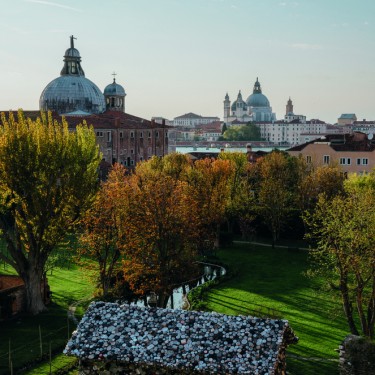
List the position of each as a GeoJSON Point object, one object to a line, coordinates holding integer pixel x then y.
{"type": "Point", "coordinates": [177, 339]}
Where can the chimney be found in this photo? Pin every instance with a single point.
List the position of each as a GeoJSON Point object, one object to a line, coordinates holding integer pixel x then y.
{"type": "Point", "coordinates": [163, 121]}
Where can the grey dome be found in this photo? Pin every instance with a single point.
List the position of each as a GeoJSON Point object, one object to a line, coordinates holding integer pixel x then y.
{"type": "Point", "coordinates": [70, 93]}
{"type": "Point", "coordinates": [114, 89]}
{"type": "Point", "coordinates": [257, 99]}
{"type": "Point", "coordinates": [72, 52]}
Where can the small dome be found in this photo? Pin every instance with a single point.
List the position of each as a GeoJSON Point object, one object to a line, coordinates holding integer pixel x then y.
{"type": "Point", "coordinates": [70, 93]}
{"type": "Point", "coordinates": [114, 89]}
{"type": "Point", "coordinates": [239, 103]}
{"type": "Point", "coordinates": [72, 52]}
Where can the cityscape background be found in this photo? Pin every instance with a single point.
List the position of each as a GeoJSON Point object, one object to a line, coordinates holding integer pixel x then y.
{"type": "Point", "coordinates": [175, 57]}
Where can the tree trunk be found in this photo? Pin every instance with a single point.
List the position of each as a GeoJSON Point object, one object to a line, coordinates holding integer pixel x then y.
{"type": "Point", "coordinates": [361, 313]}
{"type": "Point", "coordinates": [347, 305]}
{"type": "Point", "coordinates": [34, 297]}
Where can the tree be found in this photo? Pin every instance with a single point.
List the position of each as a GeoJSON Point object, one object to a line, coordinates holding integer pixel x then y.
{"type": "Point", "coordinates": [103, 235]}
{"type": "Point", "coordinates": [162, 231]}
{"type": "Point", "coordinates": [327, 179]}
{"type": "Point", "coordinates": [240, 205]}
{"type": "Point", "coordinates": [248, 132]}
{"type": "Point", "coordinates": [209, 185]}
{"type": "Point", "coordinates": [47, 178]}
{"type": "Point", "coordinates": [343, 230]}
{"type": "Point", "coordinates": [278, 175]}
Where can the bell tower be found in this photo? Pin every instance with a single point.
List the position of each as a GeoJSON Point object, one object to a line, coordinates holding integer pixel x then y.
{"type": "Point", "coordinates": [226, 108]}
{"type": "Point", "coordinates": [289, 107]}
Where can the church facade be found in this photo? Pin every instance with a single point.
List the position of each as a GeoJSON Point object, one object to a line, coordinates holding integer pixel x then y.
{"type": "Point", "coordinates": [122, 137]}
{"type": "Point", "coordinates": [255, 109]}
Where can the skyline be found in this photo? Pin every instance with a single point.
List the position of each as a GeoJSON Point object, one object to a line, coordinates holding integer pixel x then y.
{"type": "Point", "coordinates": [174, 57]}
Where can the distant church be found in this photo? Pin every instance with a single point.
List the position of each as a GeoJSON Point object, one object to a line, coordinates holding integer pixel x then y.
{"type": "Point", "coordinates": [122, 137]}
{"type": "Point", "coordinates": [255, 109]}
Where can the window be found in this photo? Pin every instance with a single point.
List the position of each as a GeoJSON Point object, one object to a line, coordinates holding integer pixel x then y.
{"type": "Point", "coordinates": [109, 136]}
{"type": "Point", "coordinates": [131, 162]}
{"type": "Point", "coordinates": [141, 135]}
{"type": "Point", "coordinates": [99, 134]}
{"type": "Point", "coordinates": [132, 151]}
{"type": "Point", "coordinates": [149, 134]}
{"type": "Point", "coordinates": [131, 134]}
{"type": "Point", "coordinates": [157, 135]}
{"type": "Point", "coordinates": [121, 135]}
{"type": "Point", "coordinates": [342, 161]}
{"type": "Point", "coordinates": [358, 161]}
{"type": "Point", "coordinates": [308, 159]}
{"type": "Point", "coordinates": [365, 161]}
{"type": "Point", "coordinates": [326, 159]}
{"type": "Point", "coordinates": [348, 161]}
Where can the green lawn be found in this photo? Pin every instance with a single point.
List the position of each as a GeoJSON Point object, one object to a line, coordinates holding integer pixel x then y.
{"type": "Point", "coordinates": [270, 282]}
{"type": "Point", "coordinates": [68, 286]}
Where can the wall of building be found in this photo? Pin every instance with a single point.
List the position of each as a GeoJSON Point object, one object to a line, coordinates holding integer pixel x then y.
{"type": "Point", "coordinates": [318, 154]}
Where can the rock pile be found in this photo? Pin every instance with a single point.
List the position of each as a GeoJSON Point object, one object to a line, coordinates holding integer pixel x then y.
{"type": "Point", "coordinates": [178, 339]}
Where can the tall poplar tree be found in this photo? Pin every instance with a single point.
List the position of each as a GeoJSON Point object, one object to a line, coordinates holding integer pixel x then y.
{"type": "Point", "coordinates": [47, 177]}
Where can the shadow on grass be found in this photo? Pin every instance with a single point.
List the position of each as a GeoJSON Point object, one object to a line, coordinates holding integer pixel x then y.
{"type": "Point", "coordinates": [21, 335]}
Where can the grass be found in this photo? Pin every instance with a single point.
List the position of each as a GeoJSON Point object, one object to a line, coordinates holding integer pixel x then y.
{"type": "Point", "coordinates": [68, 286]}
{"type": "Point", "coordinates": [270, 283]}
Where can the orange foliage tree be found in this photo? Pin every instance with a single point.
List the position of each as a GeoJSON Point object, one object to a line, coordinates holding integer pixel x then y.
{"type": "Point", "coordinates": [162, 232]}
{"type": "Point", "coordinates": [209, 185]}
{"type": "Point", "coordinates": [103, 236]}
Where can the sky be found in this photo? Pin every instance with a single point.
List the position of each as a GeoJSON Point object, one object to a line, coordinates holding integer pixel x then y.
{"type": "Point", "coordinates": [179, 56]}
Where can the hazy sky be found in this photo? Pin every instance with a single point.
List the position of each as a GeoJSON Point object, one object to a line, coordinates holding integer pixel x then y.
{"type": "Point", "coordinates": [179, 56]}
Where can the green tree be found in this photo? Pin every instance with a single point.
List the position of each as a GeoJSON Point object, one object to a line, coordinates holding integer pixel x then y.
{"type": "Point", "coordinates": [327, 179]}
{"type": "Point", "coordinates": [343, 230]}
{"type": "Point", "coordinates": [47, 178]}
{"type": "Point", "coordinates": [248, 132]}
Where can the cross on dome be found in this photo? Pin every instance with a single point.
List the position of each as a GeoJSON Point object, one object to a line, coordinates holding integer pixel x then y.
{"type": "Point", "coordinates": [72, 41]}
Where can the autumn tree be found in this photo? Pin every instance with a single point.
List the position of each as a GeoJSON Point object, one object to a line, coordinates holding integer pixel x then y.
{"type": "Point", "coordinates": [343, 230]}
{"type": "Point", "coordinates": [162, 230]}
{"type": "Point", "coordinates": [209, 185]}
{"type": "Point", "coordinates": [47, 178]}
{"type": "Point", "coordinates": [278, 180]}
{"type": "Point", "coordinates": [240, 203]}
{"type": "Point", "coordinates": [103, 234]}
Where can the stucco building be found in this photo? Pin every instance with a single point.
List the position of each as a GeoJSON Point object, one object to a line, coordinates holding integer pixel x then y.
{"type": "Point", "coordinates": [354, 153]}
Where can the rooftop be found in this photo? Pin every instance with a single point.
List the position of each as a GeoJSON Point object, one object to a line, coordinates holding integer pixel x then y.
{"type": "Point", "coordinates": [200, 341]}
{"type": "Point", "coordinates": [355, 141]}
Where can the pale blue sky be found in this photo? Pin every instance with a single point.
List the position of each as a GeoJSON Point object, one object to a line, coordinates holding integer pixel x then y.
{"type": "Point", "coordinates": [178, 56]}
